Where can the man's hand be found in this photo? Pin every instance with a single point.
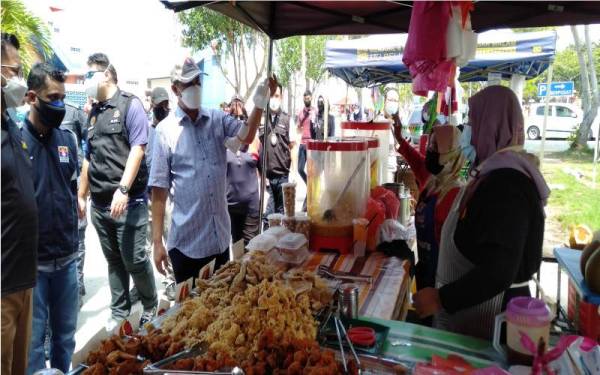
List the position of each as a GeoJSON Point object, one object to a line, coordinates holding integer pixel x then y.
{"type": "Point", "coordinates": [161, 259]}
{"type": "Point", "coordinates": [119, 204]}
{"type": "Point", "coordinates": [427, 302]}
{"type": "Point", "coordinates": [81, 204]}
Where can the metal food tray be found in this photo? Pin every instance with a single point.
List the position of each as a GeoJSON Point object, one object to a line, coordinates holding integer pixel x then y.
{"type": "Point", "coordinates": [156, 368]}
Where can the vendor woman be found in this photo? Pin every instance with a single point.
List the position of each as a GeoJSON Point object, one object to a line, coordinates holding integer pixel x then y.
{"type": "Point", "coordinates": [437, 174]}
{"type": "Point", "coordinates": [491, 241]}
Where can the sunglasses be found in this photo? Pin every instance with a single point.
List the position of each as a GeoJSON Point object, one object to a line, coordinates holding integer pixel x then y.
{"type": "Point", "coordinates": [91, 73]}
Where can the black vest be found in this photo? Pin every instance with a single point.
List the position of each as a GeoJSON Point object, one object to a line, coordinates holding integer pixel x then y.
{"type": "Point", "coordinates": [109, 146]}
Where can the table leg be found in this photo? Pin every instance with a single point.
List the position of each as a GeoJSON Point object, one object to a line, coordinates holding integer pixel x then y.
{"type": "Point", "coordinates": [559, 288]}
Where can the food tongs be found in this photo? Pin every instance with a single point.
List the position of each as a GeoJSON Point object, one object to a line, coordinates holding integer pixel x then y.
{"type": "Point", "coordinates": [339, 329]}
{"type": "Point", "coordinates": [323, 270]}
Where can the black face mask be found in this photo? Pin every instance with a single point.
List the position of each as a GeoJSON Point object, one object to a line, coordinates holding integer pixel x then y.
{"type": "Point", "coordinates": [307, 103]}
{"type": "Point", "coordinates": [160, 113]}
{"type": "Point", "coordinates": [321, 106]}
{"type": "Point", "coordinates": [51, 114]}
{"type": "Point", "coordinates": [432, 162]}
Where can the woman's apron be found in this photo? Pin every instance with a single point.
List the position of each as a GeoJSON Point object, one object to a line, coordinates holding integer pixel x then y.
{"type": "Point", "coordinates": [477, 320]}
{"type": "Point", "coordinates": [427, 246]}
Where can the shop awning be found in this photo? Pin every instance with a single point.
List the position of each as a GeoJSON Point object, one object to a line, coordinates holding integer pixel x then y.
{"type": "Point", "coordinates": [377, 59]}
{"type": "Point", "coordinates": [281, 19]}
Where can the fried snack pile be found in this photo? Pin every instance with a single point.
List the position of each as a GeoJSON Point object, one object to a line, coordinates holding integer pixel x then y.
{"type": "Point", "coordinates": [242, 300]}
{"type": "Point", "coordinates": [120, 355]}
{"type": "Point", "coordinates": [293, 357]}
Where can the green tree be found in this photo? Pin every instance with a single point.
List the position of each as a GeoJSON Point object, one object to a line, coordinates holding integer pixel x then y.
{"type": "Point", "coordinates": [289, 58]}
{"type": "Point", "coordinates": [231, 41]}
{"type": "Point", "coordinates": [31, 31]}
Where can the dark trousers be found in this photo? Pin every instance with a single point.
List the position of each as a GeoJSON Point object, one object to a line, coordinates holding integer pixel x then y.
{"type": "Point", "coordinates": [81, 255]}
{"type": "Point", "coordinates": [243, 225]}
{"type": "Point", "coordinates": [277, 192]}
{"type": "Point", "coordinates": [302, 162]}
{"type": "Point", "coordinates": [123, 243]}
{"type": "Point", "coordinates": [185, 267]}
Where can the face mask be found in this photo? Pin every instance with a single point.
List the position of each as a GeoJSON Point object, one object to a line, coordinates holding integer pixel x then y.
{"type": "Point", "coordinates": [51, 114]}
{"type": "Point", "coordinates": [356, 111]}
{"type": "Point", "coordinates": [321, 106]}
{"type": "Point", "coordinates": [160, 113]}
{"type": "Point", "coordinates": [91, 85]}
{"type": "Point", "coordinates": [274, 104]}
{"type": "Point", "coordinates": [192, 96]}
{"type": "Point", "coordinates": [14, 91]}
{"type": "Point", "coordinates": [425, 117]}
{"type": "Point", "coordinates": [467, 149]}
{"type": "Point", "coordinates": [432, 162]}
{"type": "Point", "coordinates": [307, 103]}
{"type": "Point", "coordinates": [391, 108]}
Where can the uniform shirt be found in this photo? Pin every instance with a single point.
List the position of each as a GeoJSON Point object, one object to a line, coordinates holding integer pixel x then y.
{"type": "Point", "coordinates": [279, 155]}
{"type": "Point", "coordinates": [76, 121]}
{"type": "Point", "coordinates": [189, 158]}
{"type": "Point", "coordinates": [242, 180]}
{"type": "Point", "coordinates": [54, 161]}
{"type": "Point", "coordinates": [136, 122]}
{"type": "Point", "coordinates": [19, 213]}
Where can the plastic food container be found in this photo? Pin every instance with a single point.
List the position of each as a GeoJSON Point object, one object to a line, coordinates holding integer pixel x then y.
{"type": "Point", "coordinates": [289, 222]}
{"type": "Point", "coordinates": [331, 164]}
{"type": "Point", "coordinates": [262, 242]}
{"type": "Point", "coordinates": [303, 225]}
{"type": "Point", "coordinates": [274, 220]}
{"type": "Point", "coordinates": [379, 130]}
{"type": "Point", "coordinates": [289, 198]}
{"type": "Point", "coordinates": [293, 248]}
{"type": "Point", "coordinates": [277, 232]}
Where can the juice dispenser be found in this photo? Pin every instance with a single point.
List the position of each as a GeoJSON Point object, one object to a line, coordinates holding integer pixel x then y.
{"type": "Point", "coordinates": [379, 130]}
{"type": "Point", "coordinates": [337, 192]}
{"type": "Point", "coordinates": [373, 147]}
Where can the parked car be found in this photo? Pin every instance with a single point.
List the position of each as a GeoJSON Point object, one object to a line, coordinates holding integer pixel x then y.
{"type": "Point", "coordinates": [563, 120]}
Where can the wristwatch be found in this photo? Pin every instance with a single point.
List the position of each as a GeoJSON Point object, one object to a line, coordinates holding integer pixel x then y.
{"type": "Point", "coordinates": [124, 189]}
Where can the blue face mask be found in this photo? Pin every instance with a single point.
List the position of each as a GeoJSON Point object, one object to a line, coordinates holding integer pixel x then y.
{"type": "Point", "coordinates": [467, 149]}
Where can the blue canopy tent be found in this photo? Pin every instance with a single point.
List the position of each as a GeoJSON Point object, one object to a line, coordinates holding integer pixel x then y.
{"type": "Point", "coordinates": [377, 59]}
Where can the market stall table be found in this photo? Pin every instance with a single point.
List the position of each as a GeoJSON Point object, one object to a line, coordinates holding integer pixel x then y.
{"type": "Point", "coordinates": [387, 296]}
{"type": "Point", "coordinates": [407, 342]}
{"type": "Point", "coordinates": [568, 260]}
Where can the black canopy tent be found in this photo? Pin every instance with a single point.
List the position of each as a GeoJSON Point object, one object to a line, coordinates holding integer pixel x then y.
{"type": "Point", "coordinates": [282, 19]}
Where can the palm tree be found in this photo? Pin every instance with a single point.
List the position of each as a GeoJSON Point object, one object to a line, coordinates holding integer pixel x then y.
{"type": "Point", "coordinates": [31, 31]}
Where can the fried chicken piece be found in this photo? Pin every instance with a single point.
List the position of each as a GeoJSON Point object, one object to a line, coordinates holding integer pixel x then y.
{"type": "Point", "coordinates": [95, 369]}
{"type": "Point", "coordinates": [182, 364]}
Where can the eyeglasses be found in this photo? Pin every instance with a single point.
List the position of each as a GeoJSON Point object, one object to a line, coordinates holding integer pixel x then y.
{"type": "Point", "coordinates": [16, 69]}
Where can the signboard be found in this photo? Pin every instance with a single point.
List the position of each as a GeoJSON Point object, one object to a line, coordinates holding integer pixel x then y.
{"type": "Point", "coordinates": [556, 89]}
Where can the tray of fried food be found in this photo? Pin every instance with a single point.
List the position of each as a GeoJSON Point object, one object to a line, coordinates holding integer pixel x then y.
{"type": "Point", "coordinates": [273, 356]}
{"type": "Point", "coordinates": [319, 290]}
{"type": "Point", "coordinates": [237, 275]}
{"type": "Point", "coordinates": [129, 354]}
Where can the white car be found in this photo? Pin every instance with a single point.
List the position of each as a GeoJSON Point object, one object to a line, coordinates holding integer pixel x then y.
{"type": "Point", "coordinates": [563, 120]}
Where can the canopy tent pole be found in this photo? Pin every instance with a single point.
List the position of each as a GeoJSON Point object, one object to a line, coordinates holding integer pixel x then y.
{"type": "Point", "coordinates": [596, 157]}
{"type": "Point", "coordinates": [548, 81]}
{"type": "Point", "coordinates": [265, 144]}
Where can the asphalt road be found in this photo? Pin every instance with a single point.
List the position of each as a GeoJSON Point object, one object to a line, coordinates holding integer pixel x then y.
{"type": "Point", "coordinates": [551, 145]}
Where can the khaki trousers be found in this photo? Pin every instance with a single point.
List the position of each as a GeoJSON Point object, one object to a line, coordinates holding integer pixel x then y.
{"type": "Point", "coordinates": [16, 331]}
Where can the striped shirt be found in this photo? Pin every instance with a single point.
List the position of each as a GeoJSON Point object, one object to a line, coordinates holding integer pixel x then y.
{"type": "Point", "coordinates": [189, 158]}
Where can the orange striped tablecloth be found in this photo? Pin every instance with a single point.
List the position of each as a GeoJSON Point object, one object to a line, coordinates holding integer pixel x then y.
{"type": "Point", "coordinates": [386, 297]}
